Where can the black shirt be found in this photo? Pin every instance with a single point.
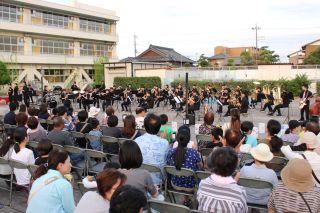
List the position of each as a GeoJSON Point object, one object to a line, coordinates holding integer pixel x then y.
{"type": "Point", "coordinates": [10, 118]}
{"type": "Point", "coordinates": [308, 95]}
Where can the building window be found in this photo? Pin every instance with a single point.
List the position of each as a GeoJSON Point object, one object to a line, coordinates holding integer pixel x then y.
{"type": "Point", "coordinates": [12, 44]}
{"type": "Point", "coordinates": [95, 26]}
{"type": "Point", "coordinates": [90, 49]}
{"type": "Point", "coordinates": [10, 12]}
{"type": "Point", "coordinates": [14, 73]}
{"type": "Point", "coordinates": [86, 49]}
{"type": "Point", "coordinates": [56, 75]}
{"type": "Point", "coordinates": [90, 73]}
{"type": "Point", "coordinates": [52, 47]}
{"type": "Point", "coordinates": [50, 19]}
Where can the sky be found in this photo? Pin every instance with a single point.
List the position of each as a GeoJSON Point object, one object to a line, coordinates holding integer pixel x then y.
{"type": "Point", "coordinates": [194, 27]}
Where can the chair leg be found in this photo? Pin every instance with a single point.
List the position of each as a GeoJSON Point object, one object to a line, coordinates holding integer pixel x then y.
{"type": "Point", "coordinates": [11, 190]}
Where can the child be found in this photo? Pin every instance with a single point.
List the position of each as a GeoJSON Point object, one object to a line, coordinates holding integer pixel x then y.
{"type": "Point", "coordinates": [216, 135]}
{"type": "Point", "coordinates": [141, 112]}
{"type": "Point", "coordinates": [246, 128]}
{"type": "Point", "coordinates": [164, 121]}
{"type": "Point", "coordinates": [95, 144]}
{"type": "Point", "coordinates": [292, 134]}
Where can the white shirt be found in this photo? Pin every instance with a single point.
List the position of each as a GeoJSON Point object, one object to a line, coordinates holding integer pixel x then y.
{"type": "Point", "coordinates": [312, 157]}
{"type": "Point", "coordinates": [25, 156]}
{"type": "Point", "coordinates": [92, 202]}
{"type": "Point", "coordinates": [6, 169]}
{"type": "Point", "coordinates": [190, 145]}
{"type": "Point", "coordinates": [140, 122]}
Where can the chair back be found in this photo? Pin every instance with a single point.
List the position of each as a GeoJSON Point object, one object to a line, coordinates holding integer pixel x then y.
{"type": "Point", "coordinates": [202, 174]}
{"type": "Point", "coordinates": [183, 172]}
{"type": "Point", "coordinates": [122, 140]}
{"type": "Point", "coordinates": [142, 131]}
{"type": "Point", "coordinates": [95, 154]}
{"type": "Point", "coordinates": [42, 121]}
{"type": "Point", "coordinates": [92, 137]}
{"type": "Point", "coordinates": [14, 164]}
{"type": "Point", "coordinates": [33, 144]}
{"type": "Point", "coordinates": [57, 146]}
{"type": "Point", "coordinates": [150, 168]}
{"type": "Point", "coordinates": [3, 161]}
{"type": "Point", "coordinates": [287, 143]}
{"type": "Point", "coordinates": [202, 139]}
{"type": "Point", "coordinates": [76, 135]}
{"type": "Point", "coordinates": [50, 122]}
{"type": "Point", "coordinates": [277, 163]}
{"type": "Point", "coordinates": [245, 157]}
{"type": "Point", "coordinates": [255, 183]}
{"type": "Point", "coordinates": [205, 151]}
{"type": "Point", "coordinates": [109, 139]}
{"type": "Point", "coordinates": [166, 207]}
{"type": "Point", "coordinates": [73, 149]}
{"type": "Point", "coordinates": [32, 168]}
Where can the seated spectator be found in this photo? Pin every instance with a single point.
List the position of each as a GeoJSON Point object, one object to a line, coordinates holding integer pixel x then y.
{"type": "Point", "coordinates": [113, 131]}
{"type": "Point", "coordinates": [165, 127]}
{"type": "Point", "coordinates": [312, 126]}
{"type": "Point", "coordinates": [68, 105]}
{"type": "Point", "coordinates": [107, 182]}
{"type": "Point", "coordinates": [297, 191]}
{"type": "Point", "coordinates": [246, 128]}
{"type": "Point", "coordinates": [206, 128]}
{"type": "Point", "coordinates": [44, 148]}
{"type": "Point", "coordinates": [22, 154]}
{"type": "Point", "coordinates": [43, 112]}
{"type": "Point", "coordinates": [233, 138]}
{"type": "Point", "coordinates": [292, 133]}
{"type": "Point", "coordinates": [5, 152]}
{"type": "Point", "coordinates": [154, 148]}
{"type": "Point", "coordinates": [68, 125]}
{"type": "Point", "coordinates": [140, 112]}
{"type": "Point", "coordinates": [21, 119]}
{"type": "Point", "coordinates": [34, 133]}
{"type": "Point", "coordinates": [23, 108]}
{"type": "Point", "coordinates": [58, 135]}
{"type": "Point", "coordinates": [109, 112]}
{"type": "Point", "coordinates": [93, 113]}
{"type": "Point", "coordinates": [310, 139]}
{"type": "Point", "coordinates": [183, 157]}
{"type": "Point", "coordinates": [10, 117]}
{"type": "Point", "coordinates": [220, 192]}
{"type": "Point", "coordinates": [275, 145]}
{"type": "Point", "coordinates": [32, 111]}
{"type": "Point", "coordinates": [127, 199]}
{"type": "Point", "coordinates": [57, 195]}
{"type": "Point", "coordinates": [129, 128]}
{"type": "Point", "coordinates": [216, 136]}
{"type": "Point", "coordinates": [273, 128]}
{"type": "Point", "coordinates": [83, 127]}
{"type": "Point", "coordinates": [95, 144]}
{"type": "Point", "coordinates": [191, 144]}
{"type": "Point", "coordinates": [258, 170]}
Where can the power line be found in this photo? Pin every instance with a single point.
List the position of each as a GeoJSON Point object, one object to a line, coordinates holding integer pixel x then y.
{"type": "Point", "coordinates": [135, 44]}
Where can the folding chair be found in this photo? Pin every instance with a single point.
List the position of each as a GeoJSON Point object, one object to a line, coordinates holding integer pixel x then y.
{"type": "Point", "coordinates": [49, 125]}
{"type": "Point", "coordinates": [153, 169]}
{"type": "Point", "coordinates": [91, 137]}
{"type": "Point", "coordinates": [57, 146]}
{"type": "Point", "coordinates": [92, 165]}
{"type": "Point", "coordinates": [122, 140]}
{"type": "Point", "coordinates": [8, 129]}
{"type": "Point", "coordinates": [255, 184]}
{"type": "Point", "coordinates": [165, 207]}
{"type": "Point", "coordinates": [277, 164]}
{"type": "Point", "coordinates": [43, 123]}
{"type": "Point", "coordinates": [32, 168]}
{"type": "Point", "coordinates": [169, 190]}
{"type": "Point", "coordinates": [202, 140]}
{"type": "Point", "coordinates": [5, 162]}
{"type": "Point", "coordinates": [78, 137]}
{"type": "Point", "coordinates": [33, 144]}
{"type": "Point", "coordinates": [205, 152]}
{"type": "Point", "coordinates": [202, 175]}
{"type": "Point", "coordinates": [112, 143]}
{"type": "Point", "coordinates": [77, 156]}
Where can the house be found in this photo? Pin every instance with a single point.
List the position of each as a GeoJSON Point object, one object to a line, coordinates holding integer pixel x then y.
{"type": "Point", "coordinates": [298, 56]}
{"type": "Point", "coordinates": [157, 54]}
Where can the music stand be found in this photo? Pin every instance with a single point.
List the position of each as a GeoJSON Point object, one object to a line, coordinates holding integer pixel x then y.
{"type": "Point", "coordinates": [178, 101]}
{"type": "Point", "coordinates": [221, 118]}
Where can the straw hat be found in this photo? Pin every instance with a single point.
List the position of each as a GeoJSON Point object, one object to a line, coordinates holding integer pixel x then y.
{"type": "Point", "coordinates": [310, 139]}
{"type": "Point", "coordinates": [297, 175]}
{"type": "Point", "coordinates": [262, 153]}
{"type": "Point", "coordinates": [93, 112]}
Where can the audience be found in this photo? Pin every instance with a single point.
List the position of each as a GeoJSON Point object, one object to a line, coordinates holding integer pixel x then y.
{"type": "Point", "coordinates": [129, 128]}
{"type": "Point", "coordinates": [191, 144]}
{"type": "Point", "coordinates": [94, 143]}
{"type": "Point", "coordinates": [67, 119]}
{"type": "Point", "coordinates": [292, 133]}
{"type": "Point", "coordinates": [23, 108]}
{"type": "Point", "coordinates": [154, 148]}
{"type": "Point", "coordinates": [83, 127]}
{"type": "Point", "coordinates": [165, 127]}
{"type": "Point", "coordinates": [58, 135]}
{"type": "Point", "coordinates": [57, 192]}
{"type": "Point", "coordinates": [43, 112]}
{"type": "Point", "coordinates": [34, 133]}
{"type": "Point", "coordinates": [127, 199]}
{"type": "Point", "coordinates": [10, 117]}
{"type": "Point", "coordinates": [109, 112]}
{"type": "Point", "coordinates": [113, 131]}
{"type": "Point", "coordinates": [297, 191]}
{"type": "Point", "coordinates": [220, 192]}
{"type": "Point", "coordinates": [140, 112]}
{"type": "Point", "coordinates": [207, 125]}
{"type": "Point", "coordinates": [272, 140]}
{"type": "Point", "coordinates": [234, 139]}
{"type": "Point", "coordinates": [22, 119]}
{"type": "Point", "coordinates": [258, 170]}
{"type": "Point", "coordinates": [234, 121]}
{"type": "Point", "coordinates": [93, 113]}
{"type": "Point", "coordinates": [216, 136]}
{"type": "Point", "coordinates": [246, 128]}
{"type": "Point", "coordinates": [43, 150]}
{"type": "Point", "coordinates": [5, 153]}
{"type": "Point", "coordinates": [95, 202]}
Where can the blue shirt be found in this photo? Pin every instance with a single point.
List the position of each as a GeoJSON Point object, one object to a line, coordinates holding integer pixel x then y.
{"type": "Point", "coordinates": [192, 158]}
{"type": "Point", "coordinates": [55, 197]}
{"type": "Point", "coordinates": [95, 144]}
{"type": "Point", "coordinates": [252, 140]}
{"type": "Point", "coordinates": [154, 150]}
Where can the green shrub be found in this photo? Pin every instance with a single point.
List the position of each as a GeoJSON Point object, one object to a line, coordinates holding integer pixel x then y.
{"type": "Point", "coordinates": [137, 82]}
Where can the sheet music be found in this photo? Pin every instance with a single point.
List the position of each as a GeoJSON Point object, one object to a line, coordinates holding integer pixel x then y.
{"type": "Point", "coordinates": [177, 100]}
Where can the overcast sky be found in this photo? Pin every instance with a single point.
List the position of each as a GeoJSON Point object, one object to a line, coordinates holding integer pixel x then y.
{"type": "Point", "coordinates": [194, 27]}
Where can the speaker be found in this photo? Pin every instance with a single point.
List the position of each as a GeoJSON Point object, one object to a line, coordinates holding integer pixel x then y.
{"type": "Point", "coordinates": [190, 120]}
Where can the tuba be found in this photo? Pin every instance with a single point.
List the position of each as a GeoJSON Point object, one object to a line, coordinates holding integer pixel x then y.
{"type": "Point", "coordinates": [277, 95]}
{"type": "Point", "coordinates": [266, 92]}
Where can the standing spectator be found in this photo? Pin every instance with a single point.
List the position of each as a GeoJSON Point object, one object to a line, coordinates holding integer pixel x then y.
{"type": "Point", "coordinates": [129, 128]}
{"type": "Point", "coordinates": [292, 134]}
{"type": "Point", "coordinates": [57, 193]}
{"type": "Point", "coordinates": [165, 127]}
{"type": "Point", "coordinates": [258, 170]}
{"type": "Point", "coordinates": [95, 144]}
{"type": "Point", "coordinates": [34, 133]}
{"type": "Point", "coordinates": [10, 117]}
{"type": "Point", "coordinates": [297, 191]}
{"type": "Point", "coordinates": [107, 182]}
{"type": "Point", "coordinates": [140, 112]}
{"type": "Point", "coordinates": [22, 154]}
{"type": "Point", "coordinates": [220, 192]}
{"type": "Point", "coordinates": [43, 150]}
{"type": "Point", "coordinates": [153, 148]}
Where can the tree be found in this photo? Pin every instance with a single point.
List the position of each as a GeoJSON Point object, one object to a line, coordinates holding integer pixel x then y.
{"type": "Point", "coordinates": [4, 74]}
{"type": "Point", "coordinates": [98, 67]}
{"type": "Point", "coordinates": [267, 56]}
{"type": "Point", "coordinates": [246, 58]}
{"type": "Point", "coordinates": [313, 58]}
{"type": "Point", "coordinates": [230, 62]}
{"type": "Point", "coordinates": [203, 61]}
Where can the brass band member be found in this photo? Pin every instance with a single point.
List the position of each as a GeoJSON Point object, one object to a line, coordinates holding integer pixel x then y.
{"type": "Point", "coordinates": [74, 87]}
{"type": "Point", "coordinates": [16, 94]}
{"type": "Point", "coordinates": [10, 93]}
{"type": "Point", "coordinates": [224, 98]}
{"type": "Point", "coordinates": [305, 96]}
{"type": "Point", "coordinates": [147, 101]}
{"type": "Point", "coordinates": [282, 103]}
{"type": "Point", "coordinates": [193, 102]}
{"type": "Point", "coordinates": [269, 101]}
{"type": "Point", "coordinates": [126, 100]}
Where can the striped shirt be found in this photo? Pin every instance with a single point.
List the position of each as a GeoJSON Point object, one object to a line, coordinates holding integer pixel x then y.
{"type": "Point", "coordinates": [283, 199]}
{"type": "Point", "coordinates": [220, 195]}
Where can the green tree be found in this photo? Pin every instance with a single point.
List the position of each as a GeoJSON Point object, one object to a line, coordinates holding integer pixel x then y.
{"type": "Point", "coordinates": [4, 74]}
{"type": "Point", "coordinates": [230, 62]}
{"type": "Point", "coordinates": [267, 56]}
{"type": "Point", "coordinates": [246, 58]}
{"type": "Point", "coordinates": [98, 67]}
{"type": "Point", "coordinates": [313, 58]}
{"type": "Point", "coordinates": [203, 61]}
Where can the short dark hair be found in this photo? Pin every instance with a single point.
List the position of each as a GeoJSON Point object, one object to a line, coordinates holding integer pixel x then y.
{"type": "Point", "coordinates": [163, 119]}
{"type": "Point", "coordinates": [112, 121]}
{"type": "Point", "coordinates": [275, 144]}
{"type": "Point", "coordinates": [21, 119]}
{"type": "Point", "coordinates": [23, 108]}
{"type": "Point", "coordinates": [233, 137]}
{"type": "Point", "coordinates": [44, 147]}
{"type": "Point", "coordinates": [246, 126]}
{"type": "Point", "coordinates": [12, 106]}
{"type": "Point", "coordinates": [58, 121]}
{"type": "Point", "coordinates": [43, 108]}
{"type": "Point", "coordinates": [216, 132]}
{"type": "Point", "coordinates": [32, 122]}
{"type": "Point", "coordinates": [294, 124]}
{"type": "Point", "coordinates": [109, 111]}
{"type": "Point", "coordinates": [312, 126]}
{"type": "Point", "coordinates": [130, 155]}
{"type": "Point", "coordinates": [305, 85]}
{"type": "Point", "coordinates": [152, 124]}
{"type": "Point", "coordinates": [127, 199]}
{"type": "Point", "coordinates": [32, 111]}
{"type": "Point", "coordinates": [208, 118]}
{"type": "Point", "coordinates": [224, 161]}
{"type": "Point", "coordinates": [82, 116]}
{"type": "Point", "coordinates": [62, 110]}
{"type": "Point", "coordinates": [94, 122]}
{"type": "Point", "coordinates": [107, 178]}
{"type": "Point", "coordinates": [273, 127]}
{"type": "Point", "coordinates": [139, 110]}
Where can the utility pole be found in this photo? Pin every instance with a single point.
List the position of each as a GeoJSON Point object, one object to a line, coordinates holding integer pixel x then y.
{"type": "Point", "coordinates": [135, 44]}
{"type": "Point", "coordinates": [256, 28]}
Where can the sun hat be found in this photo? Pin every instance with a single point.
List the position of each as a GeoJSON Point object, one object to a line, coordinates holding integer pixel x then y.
{"type": "Point", "coordinates": [93, 112]}
{"type": "Point", "coordinates": [310, 139]}
{"type": "Point", "coordinates": [262, 153]}
{"type": "Point", "coordinates": [297, 175]}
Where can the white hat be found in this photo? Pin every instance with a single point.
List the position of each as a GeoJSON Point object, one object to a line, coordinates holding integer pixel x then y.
{"type": "Point", "coordinates": [262, 153]}
{"type": "Point", "coordinates": [93, 112]}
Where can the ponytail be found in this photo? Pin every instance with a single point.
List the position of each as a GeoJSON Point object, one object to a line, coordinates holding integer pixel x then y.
{"type": "Point", "coordinates": [6, 146]}
{"type": "Point", "coordinates": [41, 170]}
{"type": "Point", "coordinates": [19, 136]}
{"type": "Point", "coordinates": [275, 144]}
{"type": "Point", "coordinates": [16, 147]}
{"type": "Point", "coordinates": [183, 138]}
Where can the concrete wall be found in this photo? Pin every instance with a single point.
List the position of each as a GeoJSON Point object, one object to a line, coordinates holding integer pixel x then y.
{"type": "Point", "coordinates": [150, 73]}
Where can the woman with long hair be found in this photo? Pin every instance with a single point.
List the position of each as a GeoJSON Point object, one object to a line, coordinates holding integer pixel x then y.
{"type": "Point", "coordinates": [129, 128]}
{"type": "Point", "coordinates": [234, 121]}
{"type": "Point", "coordinates": [50, 191]}
{"type": "Point", "coordinates": [5, 152]}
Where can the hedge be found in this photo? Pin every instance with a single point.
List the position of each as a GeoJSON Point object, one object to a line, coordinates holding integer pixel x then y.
{"type": "Point", "coordinates": [137, 82]}
{"type": "Point", "coordinates": [293, 86]}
